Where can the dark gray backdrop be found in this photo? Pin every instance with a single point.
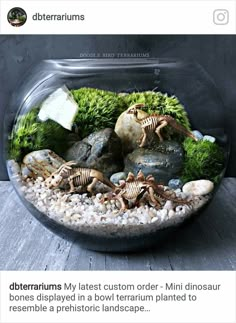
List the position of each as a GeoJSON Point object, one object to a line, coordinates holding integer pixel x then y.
{"type": "Point", "coordinates": [217, 54]}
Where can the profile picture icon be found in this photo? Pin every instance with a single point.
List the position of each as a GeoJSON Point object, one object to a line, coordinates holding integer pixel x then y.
{"type": "Point", "coordinates": [17, 17]}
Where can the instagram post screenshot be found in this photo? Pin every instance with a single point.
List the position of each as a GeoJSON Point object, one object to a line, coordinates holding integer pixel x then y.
{"type": "Point", "coordinates": [117, 161]}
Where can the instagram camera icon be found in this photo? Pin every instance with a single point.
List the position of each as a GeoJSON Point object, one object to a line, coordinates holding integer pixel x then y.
{"type": "Point", "coordinates": [221, 17]}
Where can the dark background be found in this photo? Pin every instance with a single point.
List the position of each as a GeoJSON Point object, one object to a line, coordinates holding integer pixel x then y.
{"type": "Point", "coordinates": [217, 54]}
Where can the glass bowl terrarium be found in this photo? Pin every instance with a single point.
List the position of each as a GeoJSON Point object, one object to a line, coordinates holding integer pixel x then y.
{"type": "Point", "coordinates": [116, 153]}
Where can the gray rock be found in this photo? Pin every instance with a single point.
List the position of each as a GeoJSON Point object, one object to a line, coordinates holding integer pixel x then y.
{"type": "Point", "coordinates": [197, 134]}
{"type": "Point", "coordinates": [175, 183]}
{"type": "Point", "coordinates": [79, 151]}
{"type": "Point", "coordinates": [209, 138]}
{"type": "Point", "coordinates": [164, 161]}
{"type": "Point", "coordinates": [115, 178]}
{"type": "Point", "coordinates": [101, 150]}
{"type": "Point", "coordinates": [42, 163]}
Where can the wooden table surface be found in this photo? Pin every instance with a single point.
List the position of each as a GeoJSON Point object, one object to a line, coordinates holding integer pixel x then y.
{"type": "Point", "coordinates": [206, 243]}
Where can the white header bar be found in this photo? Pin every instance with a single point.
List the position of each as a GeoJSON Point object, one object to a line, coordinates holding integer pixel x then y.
{"type": "Point", "coordinates": [122, 17]}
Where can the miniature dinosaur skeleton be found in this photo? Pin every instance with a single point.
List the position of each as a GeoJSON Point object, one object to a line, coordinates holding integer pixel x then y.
{"type": "Point", "coordinates": [76, 177]}
{"type": "Point", "coordinates": [154, 123]}
{"type": "Point", "coordinates": [134, 188]}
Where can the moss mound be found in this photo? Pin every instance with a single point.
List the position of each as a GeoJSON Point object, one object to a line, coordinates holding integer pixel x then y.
{"type": "Point", "coordinates": [29, 134]}
{"type": "Point", "coordinates": [203, 160]}
{"type": "Point", "coordinates": [98, 109]}
{"type": "Point", "coordinates": [161, 104]}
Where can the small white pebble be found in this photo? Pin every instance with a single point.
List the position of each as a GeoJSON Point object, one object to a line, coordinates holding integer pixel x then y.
{"type": "Point", "coordinates": [171, 213]}
{"type": "Point", "coordinates": [154, 220]}
{"type": "Point", "coordinates": [86, 214]}
{"type": "Point", "coordinates": [168, 205]}
{"type": "Point", "coordinates": [179, 208]}
{"type": "Point", "coordinates": [178, 190]}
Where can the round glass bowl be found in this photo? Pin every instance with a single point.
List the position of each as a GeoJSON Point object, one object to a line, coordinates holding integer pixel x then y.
{"type": "Point", "coordinates": [180, 89]}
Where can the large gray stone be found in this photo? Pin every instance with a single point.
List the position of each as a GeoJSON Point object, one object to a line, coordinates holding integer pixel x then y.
{"type": "Point", "coordinates": [164, 161]}
{"type": "Point", "coordinates": [101, 150]}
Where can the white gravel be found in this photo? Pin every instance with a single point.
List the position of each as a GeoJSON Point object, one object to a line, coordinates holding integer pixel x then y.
{"type": "Point", "coordinates": [87, 214]}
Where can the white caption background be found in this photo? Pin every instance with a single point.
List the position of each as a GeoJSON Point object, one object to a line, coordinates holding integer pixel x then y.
{"type": "Point", "coordinates": [201, 306]}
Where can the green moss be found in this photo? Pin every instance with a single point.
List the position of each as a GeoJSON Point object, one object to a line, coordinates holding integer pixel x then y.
{"type": "Point", "coordinates": [161, 104]}
{"type": "Point", "coordinates": [203, 160]}
{"type": "Point", "coordinates": [98, 109]}
{"type": "Point", "coordinates": [29, 134]}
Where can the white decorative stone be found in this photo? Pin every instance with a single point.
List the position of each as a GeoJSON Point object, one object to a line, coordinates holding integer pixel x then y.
{"type": "Point", "coordinates": [197, 134]}
{"type": "Point", "coordinates": [60, 107]}
{"type": "Point", "coordinates": [199, 187]}
{"type": "Point", "coordinates": [209, 138]}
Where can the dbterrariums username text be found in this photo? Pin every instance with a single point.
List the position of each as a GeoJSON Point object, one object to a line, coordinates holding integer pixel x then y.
{"type": "Point", "coordinates": [38, 16]}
